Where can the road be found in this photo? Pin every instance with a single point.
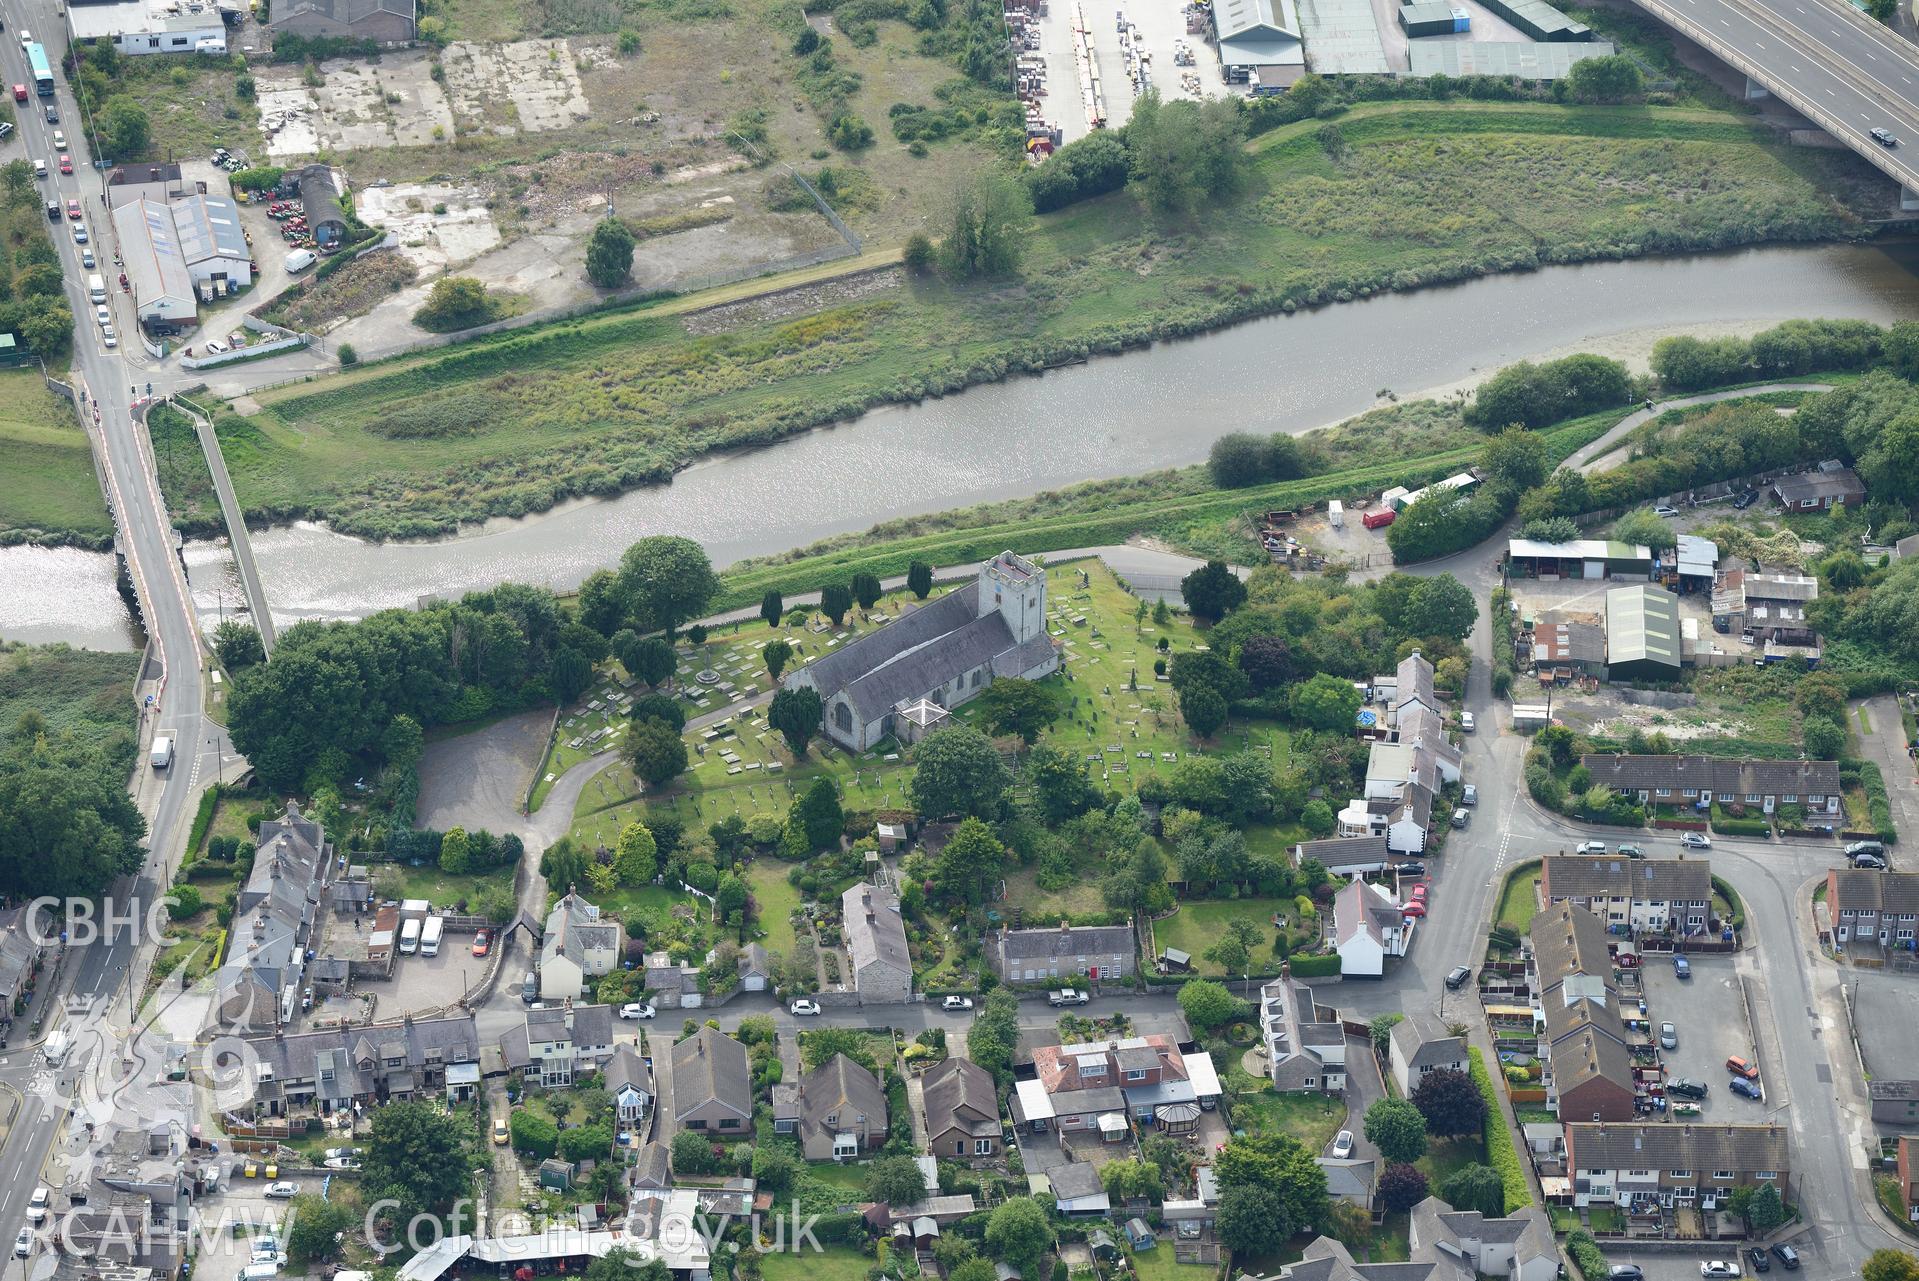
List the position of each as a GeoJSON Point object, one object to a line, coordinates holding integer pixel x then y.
{"type": "Point", "coordinates": [107, 971]}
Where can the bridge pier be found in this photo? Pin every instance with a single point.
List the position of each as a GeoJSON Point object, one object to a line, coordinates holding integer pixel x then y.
{"type": "Point", "coordinates": [1755, 90]}
{"type": "Point", "coordinates": [1908, 199]}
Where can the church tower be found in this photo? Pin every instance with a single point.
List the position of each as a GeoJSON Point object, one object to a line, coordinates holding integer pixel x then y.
{"type": "Point", "coordinates": [1015, 588]}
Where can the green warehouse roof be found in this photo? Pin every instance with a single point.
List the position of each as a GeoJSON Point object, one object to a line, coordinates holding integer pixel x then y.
{"type": "Point", "coordinates": [1642, 627]}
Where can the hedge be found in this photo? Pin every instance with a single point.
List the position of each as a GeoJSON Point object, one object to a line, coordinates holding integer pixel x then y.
{"type": "Point", "coordinates": [1726, 824]}
{"type": "Point", "coordinates": [203, 817]}
{"type": "Point", "coordinates": [1586, 1256]}
{"type": "Point", "coordinates": [1502, 639]}
{"type": "Point", "coordinates": [1500, 1153]}
{"type": "Point", "coordinates": [1731, 896]}
{"type": "Point", "coordinates": [1878, 803]}
{"type": "Point", "coordinates": [1315, 967]}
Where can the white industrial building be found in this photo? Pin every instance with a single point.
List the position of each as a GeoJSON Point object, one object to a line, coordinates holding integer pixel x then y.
{"type": "Point", "coordinates": [212, 241]}
{"type": "Point", "coordinates": [157, 273]}
{"type": "Point", "coordinates": [151, 26]}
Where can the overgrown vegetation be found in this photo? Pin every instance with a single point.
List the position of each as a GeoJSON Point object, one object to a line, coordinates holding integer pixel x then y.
{"type": "Point", "coordinates": [52, 494]}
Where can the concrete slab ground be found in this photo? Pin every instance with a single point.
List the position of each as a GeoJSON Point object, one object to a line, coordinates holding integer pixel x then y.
{"type": "Point", "coordinates": [1709, 1012]}
{"type": "Point", "coordinates": [438, 224]}
{"type": "Point", "coordinates": [1882, 1013]}
{"type": "Point", "coordinates": [1160, 26]}
{"type": "Point", "coordinates": [546, 92]}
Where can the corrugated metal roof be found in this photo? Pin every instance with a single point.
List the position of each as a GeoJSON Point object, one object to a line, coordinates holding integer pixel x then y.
{"type": "Point", "coordinates": [1578, 548]}
{"type": "Point", "coordinates": [1523, 59]}
{"type": "Point", "coordinates": [1697, 556]}
{"type": "Point", "coordinates": [209, 227]}
{"type": "Point", "coordinates": [150, 245]}
{"type": "Point", "coordinates": [1342, 38]}
{"type": "Point", "coordinates": [1642, 626]}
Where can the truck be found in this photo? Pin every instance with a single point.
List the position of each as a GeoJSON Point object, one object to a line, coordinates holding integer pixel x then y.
{"type": "Point", "coordinates": [56, 1049]}
{"type": "Point", "coordinates": [1379, 519]}
{"type": "Point", "coordinates": [410, 937]}
{"type": "Point", "coordinates": [1067, 996]}
{"type": "Point", "coordinates": [430, 936]}
{"type": "Point", "coordinates": [162, 754]}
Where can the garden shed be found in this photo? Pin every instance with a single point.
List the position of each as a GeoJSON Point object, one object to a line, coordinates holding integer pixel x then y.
{"type": "Point", "coordinates": [1139, 1235]}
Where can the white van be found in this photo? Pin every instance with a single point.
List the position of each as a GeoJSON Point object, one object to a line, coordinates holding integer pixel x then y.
{"type": "Point", "coordinates": [260, 1272]}
{"type": "Point", "coordinates": [430, 936]}
{"type": "Point", "coordinates": [162, 754]}
{"type": "Point", "coordinates": [56, 1049]}
{"type": "Point", "coordinates": [299, 260]}
{"type": "Point", "coordinates": [97, 287]}
{"type": "Point", "coordinates": [409, 938]}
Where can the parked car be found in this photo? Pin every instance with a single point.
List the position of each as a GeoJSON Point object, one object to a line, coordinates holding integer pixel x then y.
{"type": "Point", "coordinates": [37, 1205]}
{"type": "Point", "coordinates": [1872, 862]}
{"type": "Point", "coordinates": [1665, 510]}
{"type": "Point", "coordinates": [1458, 976]}
{"type": "Point", "coordinates": [1411, 867]}
{"type": "Point", "coordinates": [957, 1003]}
{"type": "Point", "coordinates": [1415, 909]}
{"type": "Point", "coordinates": [1624, 1272]}
{"type": "Point", "coordinates": [1695, 840]}
{"type": "Point", "coordinates": [1668, 1037]}
{"type": "Point", "coordinates": [500, 1137]}
{"type": "Point", "coordinates": [1630, 851]}
{"type": "Point", "coordinates": [1462, 816]}
{"type": "Point", "coordinates": [482, 942]}
{"type": "Point", "coordinates": [1857, 848]}
{"type": "Point", "coordinates": [1719, 1268]}
{"type": "Point", "coordinates": [1469, 795]}
{"type": "Point", "coordinates": [1758, 1258]}
{"type": "Point", "coordinates": [1787, 1255]}
{"type": "Point", "coordinates": [1745, 500]}
{"type": "Point", "coordinates": [1591, 847]}
{"type": "Point", "coordinates": [1343, 1145]}
{"type": "Point", "coordinates": [637, 1010]}
{"type": "Point", "coordinates": [1067, 996]}
{"type": "Point", "coordinates": [803, 1007]}
{"type": "Point", "coordinates": [1687, 1088]}
{"type": "Point", "coordinates": [1466, 723]}
{"type": "Point", "coordinates": [1681, 966]}
{"type": "Point", "coordinates": [1742, 1067]}
{"type": "Point", "coordinates": [23, 1244]}
{"type": "Point", "coordinates": [1747, 1089]}
{"type": "Point", "coordinates": [283, 1191]}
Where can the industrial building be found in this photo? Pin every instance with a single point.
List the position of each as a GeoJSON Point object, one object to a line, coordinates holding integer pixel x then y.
{"type": "Point", "coordinates": [1693, 563]}
{"type": "Point", "coordinates": [1580, 558]}
{"type": "Point", "coordinates": [156, 272]}
{"type": "Point", "coordinates": [1642, 634]}
{"type": "Point", "coordinates": [1342, 39]}
{"type": "Point", "coordinates": [1520, 59]}
{"type": "Point", "coordinates": [1259, 43]}
{"type": "Point", "coordinates": [153, 26]}
{"type": "Point", "coordinates": [1434, 18]}
{"type": "Point", "coordinates": [1539, 20]}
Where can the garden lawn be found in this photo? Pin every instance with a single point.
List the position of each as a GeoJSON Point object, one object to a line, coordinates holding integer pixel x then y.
{"type": "Point", "coordinates": [1394, 195]}
{"type": "Point", "coordinates": [1311, 1118]}
{"type": "Point", "coordinates": [427, 881]}
{"type": "Point", "coordinates": [1199, 923]}
{"type": "Point", "coordinates": [51, 485]}
{"type": "Point", "coordinates": [1517, 903]}
{"type": "Point", "coordinates": [776, 899]}
{"type": "Point", "coordinates": [835, 1263]}
{"type": "Point", "coordinates": [1158, 1263]}
{"type": "Point", "coordinates": [1445, 1156]}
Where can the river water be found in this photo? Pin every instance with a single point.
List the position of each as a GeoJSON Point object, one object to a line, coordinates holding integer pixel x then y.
{"type": "Point", "coordinates": [1114, 416]}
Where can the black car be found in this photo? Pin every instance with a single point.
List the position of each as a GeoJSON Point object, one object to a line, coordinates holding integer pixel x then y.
{"type": "Point", "coordinates": [1883, 137]}
{"type": "Point", "coordinates": [1746, 499]}
{"type": "Point", "coordinates": [1787, 1255]}
{"type": "Point", "coordinates": [1458, 978]}
{"type": "Point", "coordinates": [1740, 1085]}
{"type": "Point", "coordinates": [53, 114]}
{"type": "Point", "coordinates": [53, 211]}
{"type": "Point", "coordinates": [1411, 868]}
{"type": "Point", "coordinates": [1760, 1260]}
{"type": "Point", "coordinates": [1624, 1272]}
{"type": "Point", "coordinates": [1688, 1089]}
{"type": "Point", "coordinates": [1857, 848]}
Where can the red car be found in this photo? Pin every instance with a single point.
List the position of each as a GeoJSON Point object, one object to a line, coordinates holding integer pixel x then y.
{"type": "Point", "coordinates": [1414, 908]}
{"type": "Point", "coordinates": [66, 163]}
{"type": "Point", "coordinates": [482, 943]}
{"type": "Point", "coordinates": [19, 93]}
{"type": "Point", "coordinates": [73, 208]}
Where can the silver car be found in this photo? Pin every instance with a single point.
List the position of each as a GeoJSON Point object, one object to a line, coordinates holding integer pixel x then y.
{"type": "Point", "coordinates": [1668, 1037]}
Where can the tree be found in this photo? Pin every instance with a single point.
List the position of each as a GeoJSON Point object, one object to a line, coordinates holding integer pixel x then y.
{"type": "Point", "coordinates": [1890, 1265]}
{"type": "Point", "coordinates": [1767, 1210]}
{"type": "Point", "coordinates": [1014, 706]}
{"type": "Point", "coordinates": [795, 713]}
{"type": "Point", "coordinates": [1060, 785]}
{"type": "Point", "coordinates": [454, 302]}
{"type": "Point", "coordinates": [656, 752]}
{"type": "Point", "coordinates": [1234, 950]}
{"type": "Point", "coordinates": [1237, 460]}
{"type": "Point", "coordinates": [1381, 1031]}
{"type": "Point", "coordinates": [835, 600]}
{"type": "Point", "coordinates": [1326, 703]}
{"type": "Point", "coordinates": [238, 646]}
{"type": "Point", "coordinates": [609, 253]}
{"type": "Point", "coordinates": [18, 178]}
{"type": "Point", "coordinates": [586, 1142]}
{"type": "Point", "coordinates": [867, 590]}
{"type": "Point", "coordinates": [990, 214]}
{"type": "Point", "coordinates": [572, 673]}
{"type": "Point", "coordinates": [1203, 710]}
{"type": "Point", "coordinates": [1212, 591]}
{"type": "Point", "coordinates": [918, 255]}
{"type": "Point", "coordinates": [454, 851]}
{"type": "Point", "coordinates": [895, 1180]}
{"type": "Point", "coordinates": [1516, 457]}
{"type": "Point", "coordinates": [651, 660]}
{"type": "Point", "coordinates": [1553, 529]}
{"type": "Point", "coordinates": [1614, 78]}
{"type": "Point", "coordinates": [1823, 740]}
{"type": "Point", "coordinates": [958, 773]}
{"type": "Point", "coordinates": [1396, 1128]}
{"type": "Point", "coordinates": [971, 863]}
{"type": "Point", "coordinates": [124, 128]}
{"type": "Point", "coordinates": [772, 608]}
{"type": "Point", "coordinates": [1017, 1233]}
{"type": "Point", "coordinates": [776, 654]}
{"type": "Point", "coordinates": [667, 581]}
{"type": "Point", "coordinates": [1441, 606]}
{"type": "Point", "coordinates": [1208, 1005]}
{"type": "Point", "coordinates": [1282, 1165]}
{"type": "Point", "coordinates": [692, 1153]}
{"type": "Point", "coordinates": [1401, 1187]}
{"type": "Point", "coordinates": [1252, 1219]}
{"type": "Point", "coordinates": [315, 1227]}
{"type": "Point", "coordinates": [819, 814]}
{"type": "Point", "coordinates": [1642, 526]}
{"type": "Point", "coordinates": [1267, 662]}
{"type": "Point", "coordinates": [1317, 817]}
{"type": "Point", "coordinates": [1475, 1187]}
{"type": "Point", "coordinates": [664, 708]}
{"type": "Point", "coordinates": [1130, 1179]}
{"type": "Point", "coordinates": [1451, 1103]}
{"type": "Point", "coordinates": [1184, 152]}
{"type": "Point", "coordinates": [919, 578]}
{"type": "Point", "coordinates": [991, 1039]}
{"type": "Point", "coordinates": [416, 1155]}
{"type": "Point", "coordinates": [636, 861]}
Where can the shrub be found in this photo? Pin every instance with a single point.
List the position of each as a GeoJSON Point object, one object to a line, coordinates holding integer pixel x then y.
{"type": "Point", "coordinates": [348, 356]}
{"type": "Point", "coordinates": [1500, 1153]}
{"type": "Point", "coordinates": [1314, 967]}
{"type": "Point", "coordinates": [1586, 1256]}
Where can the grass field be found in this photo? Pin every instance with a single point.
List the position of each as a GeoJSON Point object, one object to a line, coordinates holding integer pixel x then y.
{"type": "Point", "coordinates": [835, 1263]}
{"type": "Point", "coordinates": [77, 691]}
{"type": "Point", "coordinates": [1517, 903]}
{"type": "Point", "coordinates": [1311, 1118]}
{"type": "Point", "coordinates": [1158, 1264]}
{"type": "Point", "coordinates": [51, 493]}
{"type": "Point", "coordinates": [776, 899]}
{"type": "Point", "coordinates": [1407, 195]}
{"type": "Point", "coordinates": [1199, 923]}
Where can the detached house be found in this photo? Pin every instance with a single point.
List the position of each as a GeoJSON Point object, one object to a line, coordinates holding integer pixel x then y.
{"type": "Point", "coordinates": [1367, 928]}
{"type": "Point", "coordinates": [876, 944]}
{"type": "Point", "coordinates": [962, 1110]}
{"type": "Point", "coordinates": [1674, 1164]}
{"type": "Point", "coordinates": [1105, 1085]}
{"type": "Point", "coordinates": [1873, 910]}
{"type": "Point", "coordinates": [1636, 896]}
{"type": "Point", "coordinates": [1519, 1247]}
{"type": "Point", "coordinates": [1418, 1046]}
{"type": "Point", "coordinates": [1305, 1042]}
{"type": "Point", "coordinates": [630, 1081]}
{"type": "Point", "coordinates": [1697, 781]}
{"type": "Point", "coordinates": [838, 1110]}
{"type": "Point", "coordinates": [1029, 956]}
{"type": "Point", "coordinates": [712, 1085]}
{"type": "Point", "coordinates": [575, 947]}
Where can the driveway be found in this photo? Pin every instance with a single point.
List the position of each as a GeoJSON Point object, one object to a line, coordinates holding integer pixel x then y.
{"type": "Point", "coordinates": [1365, 1086]}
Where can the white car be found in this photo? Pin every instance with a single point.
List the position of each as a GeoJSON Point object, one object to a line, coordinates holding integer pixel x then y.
{"type": "Point", "coordinates": [108, 337]}
{"type": "Point", "coordinates": [37, 1205]}
{"type": "Point", "coordinates": [637, 1010]}
{"type": "Point", "coordinates": [957, 1003]}
{"type": "Point", "coordinates": [1696, 841]}
{"type": "Point", "coordinates": [1591, 847]}
{"type": "Point", "coordinates": [1343, 1145]}
{"type": "Point", "coordinates": [1718, 1268]}
{"type": "Point", "coordinates": [26, 37]}
{"type": "Point", "coordinates": [102, 315]}
{"type": "Point", "coordinates": [283, 1191]}
{"type": "Point", "coordinates": [23, 1244]}
{"type": "Point", "coordinates": [342, 1163]}
{"type": "Point", "coordinates": [39, 168]}
{"type": "Point", "coordinates": [1466, 722]}
{"type": "Point", "coordinates": [1663, 510]}
{"type": "Point", "coordinates": [217, 347]}
{"type": "Point", "coordinates": [59, 140]}
{"type": "Point", "coordinates": [803, 1007]}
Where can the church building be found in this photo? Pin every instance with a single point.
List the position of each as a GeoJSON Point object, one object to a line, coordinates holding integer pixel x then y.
{"type": "Point", "coordinates": [943, 653]}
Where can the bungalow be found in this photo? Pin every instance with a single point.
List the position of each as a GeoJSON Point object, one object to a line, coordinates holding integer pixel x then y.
{"type": "Point", "coordinates": [962, 1110]}
{"type": "Point", "coordinates": [1820, 488]}
{"type": "Point", "coordinates": [838, 1110]}
{"type": "Point", "coordinates": [1873, 909]}
{"type": "Point", "coordinates": [629, 1079]}
{"type": "Point", "coordinates": [1674, 1164]}
{"type": "Point", "coordinates": [1351, 1179]}
{"type": "Point", "coordinates": [1636, 896]}
{"type": "Point", "coordinates": [1345, 856]}
{"type": "Point", "coordinates": [712, 1084]}
{"type": "Point", "coordinates": [1418, 1045]}
{"type": "Point", "coordinates": [1367, 928]}
{"type": "Point", "coordinates": [1697, 781]}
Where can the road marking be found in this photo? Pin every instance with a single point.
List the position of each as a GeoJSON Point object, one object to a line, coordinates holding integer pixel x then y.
{"type": "Point", "coordinates": [1791, 65]}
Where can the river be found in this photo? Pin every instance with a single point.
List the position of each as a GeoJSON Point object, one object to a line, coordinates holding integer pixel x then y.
{"type": "Point", "coordinates": [1121, 415]}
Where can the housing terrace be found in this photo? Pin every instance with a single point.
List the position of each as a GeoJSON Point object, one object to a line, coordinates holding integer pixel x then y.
{"type": "Point", "coordinates": [1678, 779]}
{"type": "Point", "coordinates": [273, 916]}
{"type": "Point", "coordinates": [1628, 1163]}
{"type": "Point", "coordinates": [1647, 895]}
{"type": "Point", "coordinates": [1104, 951]}
{"type": "Point", "coordinates": [1873, 907]}
{"type": "Point", "coordinates": [337, 1067]}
